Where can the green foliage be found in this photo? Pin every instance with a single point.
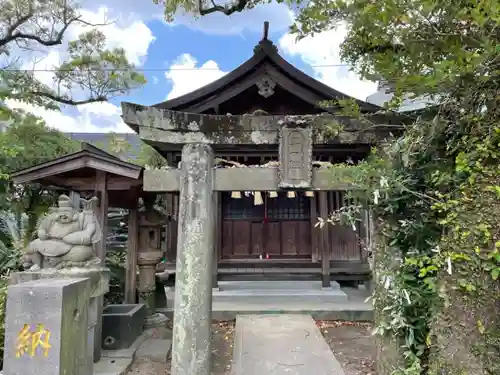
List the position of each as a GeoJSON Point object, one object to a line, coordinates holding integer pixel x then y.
{"type": "Point", "coordinates": [437, 200]}
{"type": "Point", "coordinates": [149, 158]}
{"type": "Point", "coordinates": [17, 152]}
{"type": "Point", "coordinates": [88, 73]}
{"type": "Point", "coordinates": [11, 244]}
{"type": "Point", "coordinates": [204, 7]}
{"type": "Point", "coordinates": [21, 207]}
{"type": "Point", "coordinates": [115, 261]}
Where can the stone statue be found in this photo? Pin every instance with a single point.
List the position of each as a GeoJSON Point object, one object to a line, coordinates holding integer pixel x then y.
{"type": "Point", "coordinates": [65, 237]}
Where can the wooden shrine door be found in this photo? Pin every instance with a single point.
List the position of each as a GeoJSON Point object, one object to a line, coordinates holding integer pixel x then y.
{"type": "Point", "coordinates": [280, 227]}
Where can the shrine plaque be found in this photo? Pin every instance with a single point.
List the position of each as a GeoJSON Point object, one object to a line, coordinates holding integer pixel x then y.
{"type": "Point", "coordinates": [295, 154]}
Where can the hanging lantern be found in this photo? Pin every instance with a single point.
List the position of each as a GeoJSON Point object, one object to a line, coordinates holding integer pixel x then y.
{"type": "Point", "coordinates": [257, 198]}
{"type": "Point", "coordinates": [273, 194]}
{"type": "Point", "coordinates": [235, 194]}
{"type": "Point", "coordinates": [290, 194]}
{"type": "Point", "coordinates": [310, 194]}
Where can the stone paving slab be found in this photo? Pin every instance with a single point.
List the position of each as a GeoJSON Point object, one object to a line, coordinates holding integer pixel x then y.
{"type": "Point", "coordinates": [112, 366]}
{"type": "Point", "coordinates": [151, 344]}
{"type": "Point", "coordinates": [281, 345]}
{"type": "Point", "coordinates": [157, 350]}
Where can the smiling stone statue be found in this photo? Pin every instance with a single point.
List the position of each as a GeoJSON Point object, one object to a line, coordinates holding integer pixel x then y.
{"type": "Point", "coordinates": [65, 238]}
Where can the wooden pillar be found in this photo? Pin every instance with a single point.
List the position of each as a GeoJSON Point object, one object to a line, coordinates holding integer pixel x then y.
{"type": "Point", "coordinates": [102, 212]}
{"type": "Point", "coordinates": [132, 251]}
{"type": "Point", "coordinates": [325, 240]}
{"type": "Point", "coordinates": [172, 212]}
{"type": "Point", "coordinates": [315, 231]}
{"type": "Point", "coordinates": [169, 203]}
{"type": "Point", "coordinates": [101, 190]}
{"type": "Point", "coordinates": [217, 234]}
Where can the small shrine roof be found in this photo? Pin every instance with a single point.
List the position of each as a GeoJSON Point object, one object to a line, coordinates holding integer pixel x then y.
{"type": "Point", "coordinates": [77, 171]}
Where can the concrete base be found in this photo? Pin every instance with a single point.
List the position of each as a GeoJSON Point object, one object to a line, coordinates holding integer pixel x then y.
{"type": "Point", "coordinates": [225, 286]}
{"type": "Point", "coordinates": [280, 296]}
{"type": "Point", "coordinates": [156, 350]}
{"type": "Point", "coordinates": [353, 307]}
{"type": "Point", "coordinates": [278, 292]}
{"type": "Point", "coordinates": [349, 311]}
{"type": "Point", "coordinates": [99, 277]}
{"type": "Point", "coordinates": [118, 362]}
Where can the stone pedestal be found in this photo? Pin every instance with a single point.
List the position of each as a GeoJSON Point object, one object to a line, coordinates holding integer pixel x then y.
{"type": "Point", "coordinates": [191, 344]}
{"type": "Point", "coordinates": [99, 286]}
{"type": "Point", "coordinates": [46, 328]}
{"type": "Point", "coordinates": [147, 262]}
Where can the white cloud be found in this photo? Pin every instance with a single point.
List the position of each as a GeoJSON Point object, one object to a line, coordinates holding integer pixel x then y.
{"type": "Point", "coordinates": [95, 117]}
{"type": "Point", "coordinates": [90, 118]}
{"type": "Point", "coordinates": [279, 16]}
{"type": "Point", "coordinates": [322, 50]}
{"type": "Point", "coordinates": [135, 37]}
{"type": "Point", "coordinates": [186, 76]}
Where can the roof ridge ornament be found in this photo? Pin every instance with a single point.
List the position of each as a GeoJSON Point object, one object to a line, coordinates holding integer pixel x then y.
{"type": "Point", "coordinates": [265, 44]}
{"type": "Point", "coordinates": [266, 30]}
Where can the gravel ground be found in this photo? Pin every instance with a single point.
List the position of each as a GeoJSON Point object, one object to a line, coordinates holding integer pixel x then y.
{"type": "Point", "coordinates": [353, 345]}
{"type": "Point", "coordinates": [222, 354]}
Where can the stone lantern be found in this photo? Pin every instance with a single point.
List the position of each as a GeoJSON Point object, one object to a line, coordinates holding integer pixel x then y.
{"type": "Point", "coordinates": [149, 255]}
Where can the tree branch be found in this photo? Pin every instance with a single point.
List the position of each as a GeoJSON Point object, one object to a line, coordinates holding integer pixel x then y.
{"type": "Point", "coordinates": [59, 99]}
{"type": "Point", "coordinates": [48, 43]}
{"type": "Point", "coordinates": [12, 35]}
{"type": "Point", "coordinates": [10, 31]}
{"type": "Point", "coordinates": [226, 9]}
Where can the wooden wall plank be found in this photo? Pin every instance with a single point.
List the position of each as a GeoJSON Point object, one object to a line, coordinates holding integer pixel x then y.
{"type": "Point", "coordinates": [325, 243]}
{"type": "Point", "coordinates": [315, 231]}
{"type": "Point", "coordinates": [132, 250]}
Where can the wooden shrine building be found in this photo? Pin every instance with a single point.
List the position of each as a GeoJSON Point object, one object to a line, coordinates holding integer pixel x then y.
{"type": "Point", "coordinates": [268, 131]}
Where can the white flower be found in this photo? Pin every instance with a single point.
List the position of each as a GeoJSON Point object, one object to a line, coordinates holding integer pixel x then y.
{"type": "Point", "coordinates": [383, 182]}
{"type": "Point", "coordinates": [448, 262]}
{"type": "Point", "coordinates": [407, 296]}
{"type": "Point", "coordinates": [387, 282]}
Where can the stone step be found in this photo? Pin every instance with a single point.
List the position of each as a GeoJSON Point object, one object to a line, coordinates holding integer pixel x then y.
{"type": "Point", "coordinates": [326, 295]}
{"type": "Point", "coordinates": [281, 345]}
{"type": "Point", "coordinates": [274, 285]}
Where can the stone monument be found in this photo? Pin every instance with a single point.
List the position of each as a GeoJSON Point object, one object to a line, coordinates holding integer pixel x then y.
{"type": "Point", "coordinates": [45, 328]}
{"type": "Point", "coordinates": [295, 153]}
{"type": "Point", "coordinates": [64, 250]}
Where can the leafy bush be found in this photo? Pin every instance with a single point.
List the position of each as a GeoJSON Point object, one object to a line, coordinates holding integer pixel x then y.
{"type": "Point", "coordinates": [115, 261]}
{"type": "Point", "coordinates": [3, 300]}
{"type": "Point", "coordinates": [11, 244]}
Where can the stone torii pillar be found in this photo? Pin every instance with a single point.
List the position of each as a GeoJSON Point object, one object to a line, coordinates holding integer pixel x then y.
{"type": "Point", "coordinates": [191, 344]}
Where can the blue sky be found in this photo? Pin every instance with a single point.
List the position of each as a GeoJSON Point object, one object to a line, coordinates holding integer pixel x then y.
{"type": "Point", "coordinates": [180, 57]}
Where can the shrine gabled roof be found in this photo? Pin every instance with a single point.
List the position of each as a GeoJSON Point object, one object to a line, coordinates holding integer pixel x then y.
{"type": "Point", "coordinates": [89, 158]}
{"type": "Point", "coordinates": [266, 59]}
